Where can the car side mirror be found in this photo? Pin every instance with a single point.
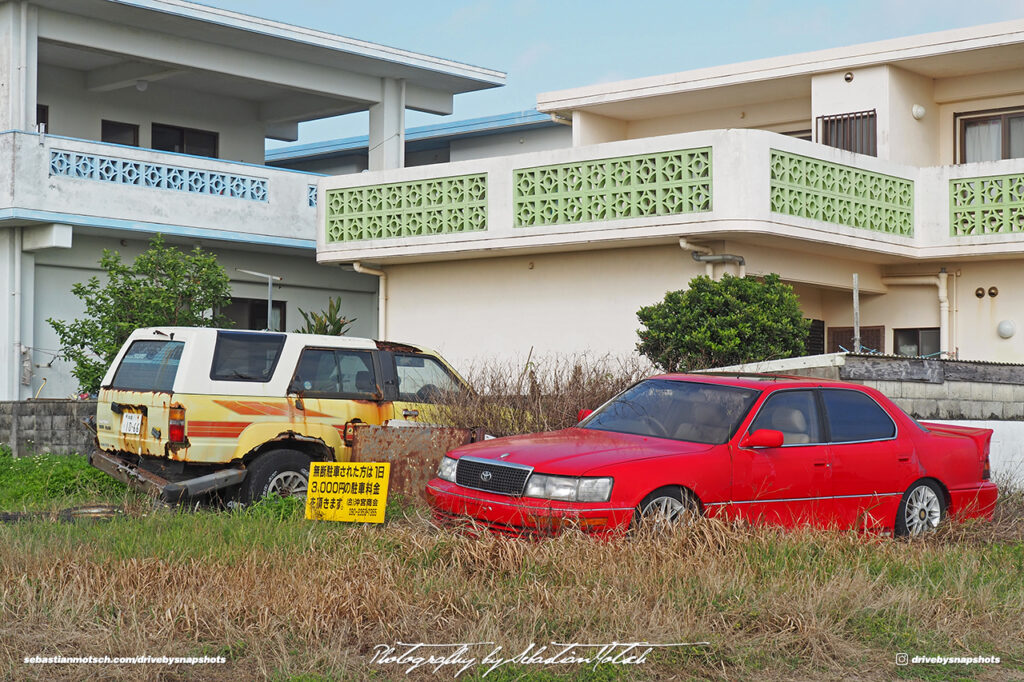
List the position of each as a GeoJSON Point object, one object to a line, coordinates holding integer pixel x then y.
{"type": "Point", "coordinates": [583, 414]}
{"type": "Point", "coordinates": [763, 438]}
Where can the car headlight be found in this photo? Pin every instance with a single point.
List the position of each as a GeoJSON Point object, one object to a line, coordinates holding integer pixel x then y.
{"type": "Point", "coordinates": [447, 468]}
{"type": "Point", "coordinates": [569, 488]}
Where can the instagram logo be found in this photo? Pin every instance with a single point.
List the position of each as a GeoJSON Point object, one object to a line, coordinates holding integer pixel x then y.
{"type": "Point", "coordinates": [901, 659]}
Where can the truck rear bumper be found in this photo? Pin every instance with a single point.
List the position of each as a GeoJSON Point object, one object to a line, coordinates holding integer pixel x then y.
{"type": "Point", "coordinates": [168, 491]}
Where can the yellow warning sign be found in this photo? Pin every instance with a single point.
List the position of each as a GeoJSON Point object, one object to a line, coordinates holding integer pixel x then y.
{"type": "Point", "coordinates": [347, 491]}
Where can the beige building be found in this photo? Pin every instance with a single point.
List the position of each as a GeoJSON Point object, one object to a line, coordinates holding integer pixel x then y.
{"type": "Point", "coordinates": [900, 161]}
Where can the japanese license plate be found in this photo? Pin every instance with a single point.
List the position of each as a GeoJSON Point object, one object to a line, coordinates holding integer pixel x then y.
{"type": "Point", "coordinates": [131, 423]}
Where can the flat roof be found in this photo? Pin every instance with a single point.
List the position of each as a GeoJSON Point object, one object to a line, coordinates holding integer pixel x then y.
{"type": "Point", "coordinates": [423, 135]}
{"type": "Point", "coordinates": [957, 52]}
{"type": "Point", "coordinates": [191, 19]}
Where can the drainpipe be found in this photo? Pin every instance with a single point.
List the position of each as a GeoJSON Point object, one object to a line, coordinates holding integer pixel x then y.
{"type": "Point", "coordinates": [940, 282]}
{"type": "Point", "coordinates": [382, 295]}
{"type": "Point", "coordinates": [704, 254]}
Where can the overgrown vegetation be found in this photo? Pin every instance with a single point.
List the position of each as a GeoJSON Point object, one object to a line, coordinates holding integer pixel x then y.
{"type": "Point", "coordinates": [284, 598]}
{"type": "Point", "coordinates": [52, 481]}
{"type": "Point", "coordinates": [163, 287]}
{"type": "Point", "coordinates": [330, 321]}
{"type": "Point", "coordinates": [721, 323]}
{"type": "Point", "coordinates": [543, 394]}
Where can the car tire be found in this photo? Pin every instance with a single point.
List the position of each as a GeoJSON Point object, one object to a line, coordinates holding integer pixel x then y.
{"type": "Point", "coordinates": [922, 509]}
{"type": "Point", "coordinates": [667, 507]}
{"type": "Point", "coordinates": [285, 472]}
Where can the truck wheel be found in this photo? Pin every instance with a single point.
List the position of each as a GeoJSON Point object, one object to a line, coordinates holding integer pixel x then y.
{"type": "Point", "coordinates": [285, 472]}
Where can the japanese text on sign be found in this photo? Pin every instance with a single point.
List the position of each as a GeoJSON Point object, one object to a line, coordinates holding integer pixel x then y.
{"type": "Point", "coordinates": [347, 491]}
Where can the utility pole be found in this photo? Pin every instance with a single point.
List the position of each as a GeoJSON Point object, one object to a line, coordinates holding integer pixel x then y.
{"type": "Point", "coordinates": [856, 313]}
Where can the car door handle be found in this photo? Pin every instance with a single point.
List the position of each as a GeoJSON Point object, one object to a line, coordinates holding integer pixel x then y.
{"type": "Point", "coordinates": [822, 464]}
{"type": "Point", "coordinates": [903, 459]}
{"type": "Point", "coordinates": [409, 414]}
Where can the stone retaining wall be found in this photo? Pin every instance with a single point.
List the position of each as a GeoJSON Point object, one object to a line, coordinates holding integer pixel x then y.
{"type": "Point", "coordinates": [40, 426]}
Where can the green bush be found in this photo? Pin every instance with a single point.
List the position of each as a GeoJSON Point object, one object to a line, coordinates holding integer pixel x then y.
{"type": "Point", "coordinates": [163, 287]}
{"type": "Point", "coordinates": [329, 322]}
{"type": "Point", "coordinates": [728, 322]}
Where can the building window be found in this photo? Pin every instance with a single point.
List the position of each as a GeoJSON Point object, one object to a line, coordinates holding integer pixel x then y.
{"type": "Point", "coordinates": [815, 343]}
{"type": "Point", "coordinates": [990, 135]}
{"type": "Point", "coordinates": [184, 140]}
{"type": "Point", "coordinates": [856, 132]}
{"type": "Point", "coordinates": [872, 339]}
{"type": "Point", "coordinates": [916, 342]}
{"type": "Point", "coordinates": [251, 313]}
{"type": "Point", "coordinates": [800, 134]}
{"type": "Point", "coordinates": [120, 133]}
{"type": "Point", "coordinates": [43, 117]}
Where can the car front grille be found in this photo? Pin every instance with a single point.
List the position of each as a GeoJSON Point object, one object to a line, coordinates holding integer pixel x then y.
{"type": "Point", "coordinates": [491, 476]}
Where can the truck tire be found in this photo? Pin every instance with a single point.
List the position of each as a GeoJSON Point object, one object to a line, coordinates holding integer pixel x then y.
{"type": "Point", "coordinates": [285, 472]}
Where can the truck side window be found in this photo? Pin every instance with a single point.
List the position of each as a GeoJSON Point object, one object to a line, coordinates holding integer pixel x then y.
{"type": "Point", "coordinates": [422, 379]}
{"type": "Point", "coordinates": [336, 374]}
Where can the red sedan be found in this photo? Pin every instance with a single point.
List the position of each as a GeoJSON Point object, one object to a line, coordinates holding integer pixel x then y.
{"type": "Point", "coordinates": [770, 449]}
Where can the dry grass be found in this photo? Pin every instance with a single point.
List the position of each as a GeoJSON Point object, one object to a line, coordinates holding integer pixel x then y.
{"type": "Point", "coordinates": [542, 394]}
{"type": "Point", "coordinates": [295, 600]}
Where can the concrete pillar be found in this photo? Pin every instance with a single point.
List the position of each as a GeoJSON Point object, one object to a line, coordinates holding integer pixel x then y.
{"type": "Point", "coordinates": [8, 368]}
{"type": "Point", "coordinates": [387, 127]}
{"type": "Point", "coordinates": [18, 65]}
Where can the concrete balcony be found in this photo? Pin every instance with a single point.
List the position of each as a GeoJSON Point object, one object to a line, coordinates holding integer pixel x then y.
{"type": "Point", "coordinates": [718, 184]}
{"type": "Point", "coordinates": [112, 187]}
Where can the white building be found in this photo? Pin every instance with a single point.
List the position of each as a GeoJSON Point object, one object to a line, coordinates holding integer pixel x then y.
{"type": "Point", "coordinates": [901, 161]}
{"type": "Point", "coordinates": [122, 119]}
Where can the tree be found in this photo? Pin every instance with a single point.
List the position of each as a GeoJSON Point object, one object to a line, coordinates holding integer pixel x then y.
{"type": "Point", "coordinates": [715, 324]}
{"type": "Point", "coordinates": [163, 287]}
{"type": "Point", "coordinates": [329, 322]}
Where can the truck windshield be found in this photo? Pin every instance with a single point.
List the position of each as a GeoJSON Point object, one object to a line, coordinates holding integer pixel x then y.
{"type": "Point", "coordinates": [148, 366]}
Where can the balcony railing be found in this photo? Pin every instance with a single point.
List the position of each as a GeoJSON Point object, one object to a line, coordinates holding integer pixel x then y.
{"type": "Point", "coordinates": [102, 185]}
{"type": "Point", "coordinates": [710, 184]}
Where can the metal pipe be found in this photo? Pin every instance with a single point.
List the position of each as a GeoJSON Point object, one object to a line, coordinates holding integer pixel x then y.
{"type": "Point", "coordinates": [382, 297]}
{"type": "Point", "coordinates": [939, 281]}
{"type": "Point", "coordinates": [709, 259]}
{"type": "Point", "coordinates": [856, 313]}
{"type": "Point", "coordinates": [709, 268]}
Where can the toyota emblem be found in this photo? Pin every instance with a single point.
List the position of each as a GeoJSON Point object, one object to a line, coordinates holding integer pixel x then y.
{"type": "Point", "coordinates": [485, 476]}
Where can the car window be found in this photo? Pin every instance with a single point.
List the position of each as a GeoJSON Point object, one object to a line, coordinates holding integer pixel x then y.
{"type": "Point", "coordinates": [336, 373]}
{"type": "Point", "coordinates": [794, 413]}
{"type": "Point", "coordinates": [357, 375]}
{"type": "Point", "coordinates": [148, 366]}
{"type": "Point", "coordinates": [855, 416]}
{"type": "Point", "coordinates": [679, 410]}
{"type": "Point", "coordinates": [317, 372]}
{"type": "Point", "coordinates": [422, 379]}
{"type": "Point", "coordinates": [246, 356]}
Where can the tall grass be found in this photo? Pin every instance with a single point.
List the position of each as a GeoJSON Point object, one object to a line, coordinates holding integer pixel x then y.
{"type": "Point", "coordinates": [281, 598]}
{"type": "Point", "coordinates": [543, 394]}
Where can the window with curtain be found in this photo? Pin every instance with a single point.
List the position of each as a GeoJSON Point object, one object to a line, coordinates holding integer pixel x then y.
{"type": "Point", "coordinates": [990, 136]}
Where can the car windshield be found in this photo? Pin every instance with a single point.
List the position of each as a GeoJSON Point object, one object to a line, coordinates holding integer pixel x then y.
{"type": "Point", "coordinates": [678, 410]}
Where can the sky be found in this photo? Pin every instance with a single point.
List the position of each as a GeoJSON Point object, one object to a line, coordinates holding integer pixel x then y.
{"type": "Point", "coordinates": [545, 45]}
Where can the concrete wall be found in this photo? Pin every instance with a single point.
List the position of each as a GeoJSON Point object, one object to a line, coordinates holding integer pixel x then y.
{"type": "Point", "coordinates": [47, 426]}
{"type": "Point", "coordinates": [568, 302]}
{"type": "Point", "coordinates": [77, 112]}
{"type": "Point", "coordinates": [784, 116]}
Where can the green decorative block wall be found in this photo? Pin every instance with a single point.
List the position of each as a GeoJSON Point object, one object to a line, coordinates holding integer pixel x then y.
{"type": "Point", "coordinates": [992, 205]}
{"type": "Point", "coordinates": [666, 183]}
{"type": "Point", "coordinates": [407, 209]}
{"type": "Point", "coordinates": [833, 193]}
